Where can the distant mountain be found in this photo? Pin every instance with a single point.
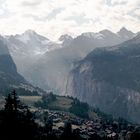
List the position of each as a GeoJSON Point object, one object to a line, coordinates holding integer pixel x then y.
{"type": "Point", "coordinates": [109, 78]}
{"type": "Point", "coordinates": [26, 48]}
{"type": "Point", "coordinates": [65, 39]}
{"type": "Point", "coordinates": [46, 64]}
{"type": "Point", "coordinates": [125, 34]}
{"type": "Point", "coordinates": [106, 37]}
{"type": "Point", "coordinates": [9, 77]}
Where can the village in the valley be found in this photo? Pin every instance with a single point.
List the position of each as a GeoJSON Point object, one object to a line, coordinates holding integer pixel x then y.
{"type": "Point", "coordinates": [86, 128]}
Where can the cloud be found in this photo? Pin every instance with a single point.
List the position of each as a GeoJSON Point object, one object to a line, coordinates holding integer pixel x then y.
{"type": "Point", "coordinates": [137, 12]}
{"type": "Point", "coordinates": [79, 19]}
{"type": "Point", "coordinates": [54, 13]}
{"type": "Point", "coordinates": [55, 17]}
{"type": "Point", "coordinates": [31, 3]}
{"type": "Point", "coordinates": [119, 2]}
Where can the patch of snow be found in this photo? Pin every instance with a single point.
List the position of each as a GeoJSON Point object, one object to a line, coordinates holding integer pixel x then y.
{"type": "Point", "coordinates": [45, 42]}
{"type": "Point", "coordinates": [24, 38]}
{"type": "Point", "coordinates": [89, 34]}
{"type": "Point", "coordinates": [93, 35]}
{"type": "Point", "coordinates": [99, 36]}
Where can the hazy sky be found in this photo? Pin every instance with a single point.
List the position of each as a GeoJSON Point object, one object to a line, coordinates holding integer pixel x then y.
{"type": "Point", "coordinates": [55, 17]}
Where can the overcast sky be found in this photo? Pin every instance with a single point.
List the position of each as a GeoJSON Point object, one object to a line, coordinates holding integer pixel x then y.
{"type": "Point", "coordinates": [55, 17]}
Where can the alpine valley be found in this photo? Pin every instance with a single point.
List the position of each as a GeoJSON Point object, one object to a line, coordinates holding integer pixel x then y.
{"type": "Point", "coordinates": [102, 69]}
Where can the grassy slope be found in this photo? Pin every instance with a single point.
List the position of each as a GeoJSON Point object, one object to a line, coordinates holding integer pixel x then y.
{"type": "Point", "coordinates": [61, 103]}
{"type": "Point", "coordinates": [30, 100]}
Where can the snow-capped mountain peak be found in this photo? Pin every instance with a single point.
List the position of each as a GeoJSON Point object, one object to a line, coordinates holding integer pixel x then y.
{"type": "Point", "coordinates": [99, 35]}
{"type": "Point", "coordinates": [125, 33]}
{"type": "Point", "coordinates": [106, 32]}
{"type": "Point", "coordinates": [31, 32]}
{"type": "Point", "coordinates": [124, 30]}
{"type": "Point", "coordinates": [65, 37]}
{"type": "Point", "coordinates": [30, 35]}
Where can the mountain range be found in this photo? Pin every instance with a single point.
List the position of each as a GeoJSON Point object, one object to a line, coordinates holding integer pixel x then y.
{"type": "Point", "coordinates": [47, 64]}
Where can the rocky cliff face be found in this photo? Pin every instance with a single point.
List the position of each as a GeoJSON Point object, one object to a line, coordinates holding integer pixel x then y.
{"type": "Point", "coordinates": [109, 78]}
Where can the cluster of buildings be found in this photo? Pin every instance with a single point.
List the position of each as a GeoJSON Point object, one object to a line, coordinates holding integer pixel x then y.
{"type": "Point", "coordinates": [88, 128]}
